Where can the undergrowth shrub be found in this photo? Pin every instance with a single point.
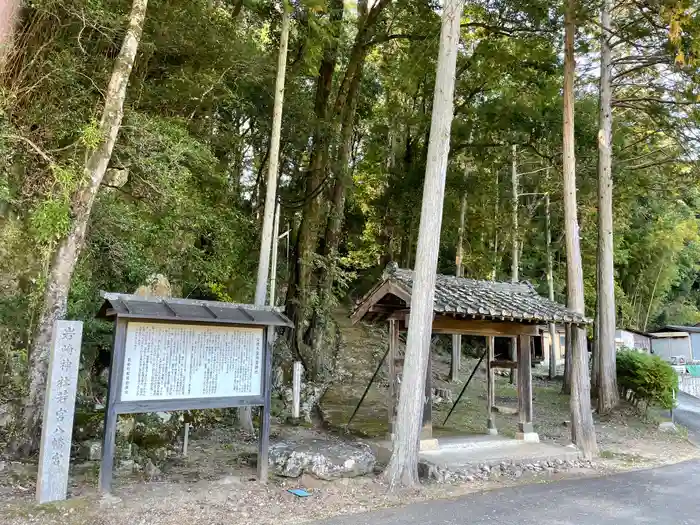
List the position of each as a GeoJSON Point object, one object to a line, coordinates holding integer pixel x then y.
{"type": "Point", "coordinates": [645, 379]}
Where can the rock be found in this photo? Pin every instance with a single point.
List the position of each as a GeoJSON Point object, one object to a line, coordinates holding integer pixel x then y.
{"type": "Point", "coordinates": [157, 285]}
{"type": "Point", "coordinates": [125, 426]}
{"type": "Point", "coordinates": [323, 459]}
{"type": "Point", "coordinates": [441, 395]}
{"type": "Point", "coordinates": [5, 415]}
{"type": "Point", "coordinates": [230, 480]}
{"type": "Point", "coordinates": [517, 473]}
{"type": "Point", "coordinates": [150, 471]}
{"type": "Point", "coordinates": [506, 410]}
{"type": "Point", "coordinates": [108, 500]}
{"type": "Point", "coordinates": [165, 417]}
{"type": "Point", "coordinates": [127, 465]}
{"type": "Point", "coordinates": [91, 450]}
{"type": "Point", "coordinates": [668, 426]}
{"type": "Point", "coordinates": [115, 178]}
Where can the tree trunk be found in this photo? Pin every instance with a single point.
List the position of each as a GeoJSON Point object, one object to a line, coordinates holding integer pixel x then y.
{"type": "Point", "coordinates": [515, 248]}
{"type": "Point", "coordinates": [583, 430]}
{"type": "Point", "coordinates": [550, 288]}
{"type": "Point", "coordinates": [494, 267]}
{"type": "Point", "coordinates": [515, 251]}
{"type": "Point", "coordinates": [608, 396]}
{"type": "Point", "coordinates": [459, 272]}
{"type": "Point", "coordinates": [245, 414]}
{"type": "Point", "coordinates": [403, 465]}
{"type": "Point", "coordinates": [9, 16]}
{"type": "Point", "coordinates": [307, 236]}
{"type": "Point", "coordinates": [273, 164]}
{"type": "Point", "coordinates": [68, 250]}
{"type": "Point", "coordinates": [318, 328]}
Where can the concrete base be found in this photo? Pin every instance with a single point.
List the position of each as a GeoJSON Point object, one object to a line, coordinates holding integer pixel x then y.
{"type": "Point", "coordinates": [460, 452]}
{"type": "Point", "coordinates": [492, 431]}
{"type": "Point", "coordinates": [428, 444]}
{"type": "Point", "coordinates": [528, 437]}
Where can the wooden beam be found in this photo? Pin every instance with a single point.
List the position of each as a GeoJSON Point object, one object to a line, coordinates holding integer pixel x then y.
{"type": "Point", "coordinates": [525, 384]}
{"type": "Point", "coordinates": [504, 363]}
{"type": "Point", "coordinates": [400, 314]}
{"type": "Point", "coordinates": [449, 325]}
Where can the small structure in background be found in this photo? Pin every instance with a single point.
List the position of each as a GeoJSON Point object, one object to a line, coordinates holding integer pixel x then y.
{"type": "Point", "coordinates": [672, 345]}
{"type": "Point", "coordinates": [633, 339]}
{"type": "Point", "coordinates": [181, 354]}
{"type": "Point", "coordinates": [693, 333]}
{"type": "Point", "coordinates": [467, 306]}
{"type": "Point", "coordinates": [59, 410]}
{"type": "Point", "coordinates": [542, 350]}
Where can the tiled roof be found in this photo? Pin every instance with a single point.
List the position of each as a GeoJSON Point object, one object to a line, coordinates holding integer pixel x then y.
{"type": "Point", "coordinates": [487, 299]}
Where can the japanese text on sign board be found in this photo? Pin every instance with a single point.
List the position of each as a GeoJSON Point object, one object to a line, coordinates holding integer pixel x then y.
{"type": "Point", "coordinates": [173, 361]}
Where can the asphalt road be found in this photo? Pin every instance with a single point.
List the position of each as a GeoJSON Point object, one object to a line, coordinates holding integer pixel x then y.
{"type": "Point", "coordinates": [687, 413]}
{"type": "Point", "coordinates": [667, 495]}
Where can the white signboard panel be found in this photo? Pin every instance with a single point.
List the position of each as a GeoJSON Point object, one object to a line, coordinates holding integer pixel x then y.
{"type": "Point", "coordinates": [180, 361]}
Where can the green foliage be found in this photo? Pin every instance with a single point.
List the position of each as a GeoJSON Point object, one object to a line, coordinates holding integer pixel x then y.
{"type": "Point", "coordinates": [91, 135]}
{"type": "Point", "coordinates": [645, 378]}
{"type": "Point", "coordinates": [50, 221]}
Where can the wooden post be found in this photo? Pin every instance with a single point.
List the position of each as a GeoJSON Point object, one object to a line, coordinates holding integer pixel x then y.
{"type": "Point", "coordinates": [110, 425]}
{"type": "Point", "coordinates": [297, 371]}
{"type": "Point", "coordinates": [264, 439]}
{"type": "Point", "coordinates": [393, 376]}
{"type": "Point", "coordinates": [526, 431]}
{"type": "Point", "coordinates": [513, 356]}
{"type": "Point", "coordinates": [566, 384]}
{"type": "Point", "coordinates": [186, 440]}
{"type": "Point", "coordinates": [490, 387]}
{"type": "Point", "coordinates": [427, 426]}
{"type": "Point", "coordinates": [456, 363]}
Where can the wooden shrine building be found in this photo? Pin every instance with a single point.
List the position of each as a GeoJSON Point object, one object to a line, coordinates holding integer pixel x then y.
{"type": "Point", "coordinates": [471, 307]}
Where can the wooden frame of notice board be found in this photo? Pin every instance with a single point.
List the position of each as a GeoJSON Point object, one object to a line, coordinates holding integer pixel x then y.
{"type": "Point", "coordinates": [179, 354]}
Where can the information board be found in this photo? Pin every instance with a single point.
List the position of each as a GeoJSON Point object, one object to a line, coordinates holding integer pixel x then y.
{"type": "Point", "coordinates": [186, 361]}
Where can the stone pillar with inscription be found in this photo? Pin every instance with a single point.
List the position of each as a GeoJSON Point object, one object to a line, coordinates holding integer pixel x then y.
{"type": "Point", "coordinates": [59, 409]}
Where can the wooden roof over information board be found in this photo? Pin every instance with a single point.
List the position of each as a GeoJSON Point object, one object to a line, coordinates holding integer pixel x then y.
{"type": "Point", "coordinates": [463, 298]}
{"type": "Point", "coordinates": [189, 310]}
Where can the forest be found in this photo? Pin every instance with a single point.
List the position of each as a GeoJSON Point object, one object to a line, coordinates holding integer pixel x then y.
{"type": "Point", "coordinates": [98, 197]}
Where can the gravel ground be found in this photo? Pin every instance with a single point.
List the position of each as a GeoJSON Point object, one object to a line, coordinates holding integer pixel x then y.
{"type": "Point", "coordinates": [232, 500]}
{"type": "Point", "coordinates": [214, 486]}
